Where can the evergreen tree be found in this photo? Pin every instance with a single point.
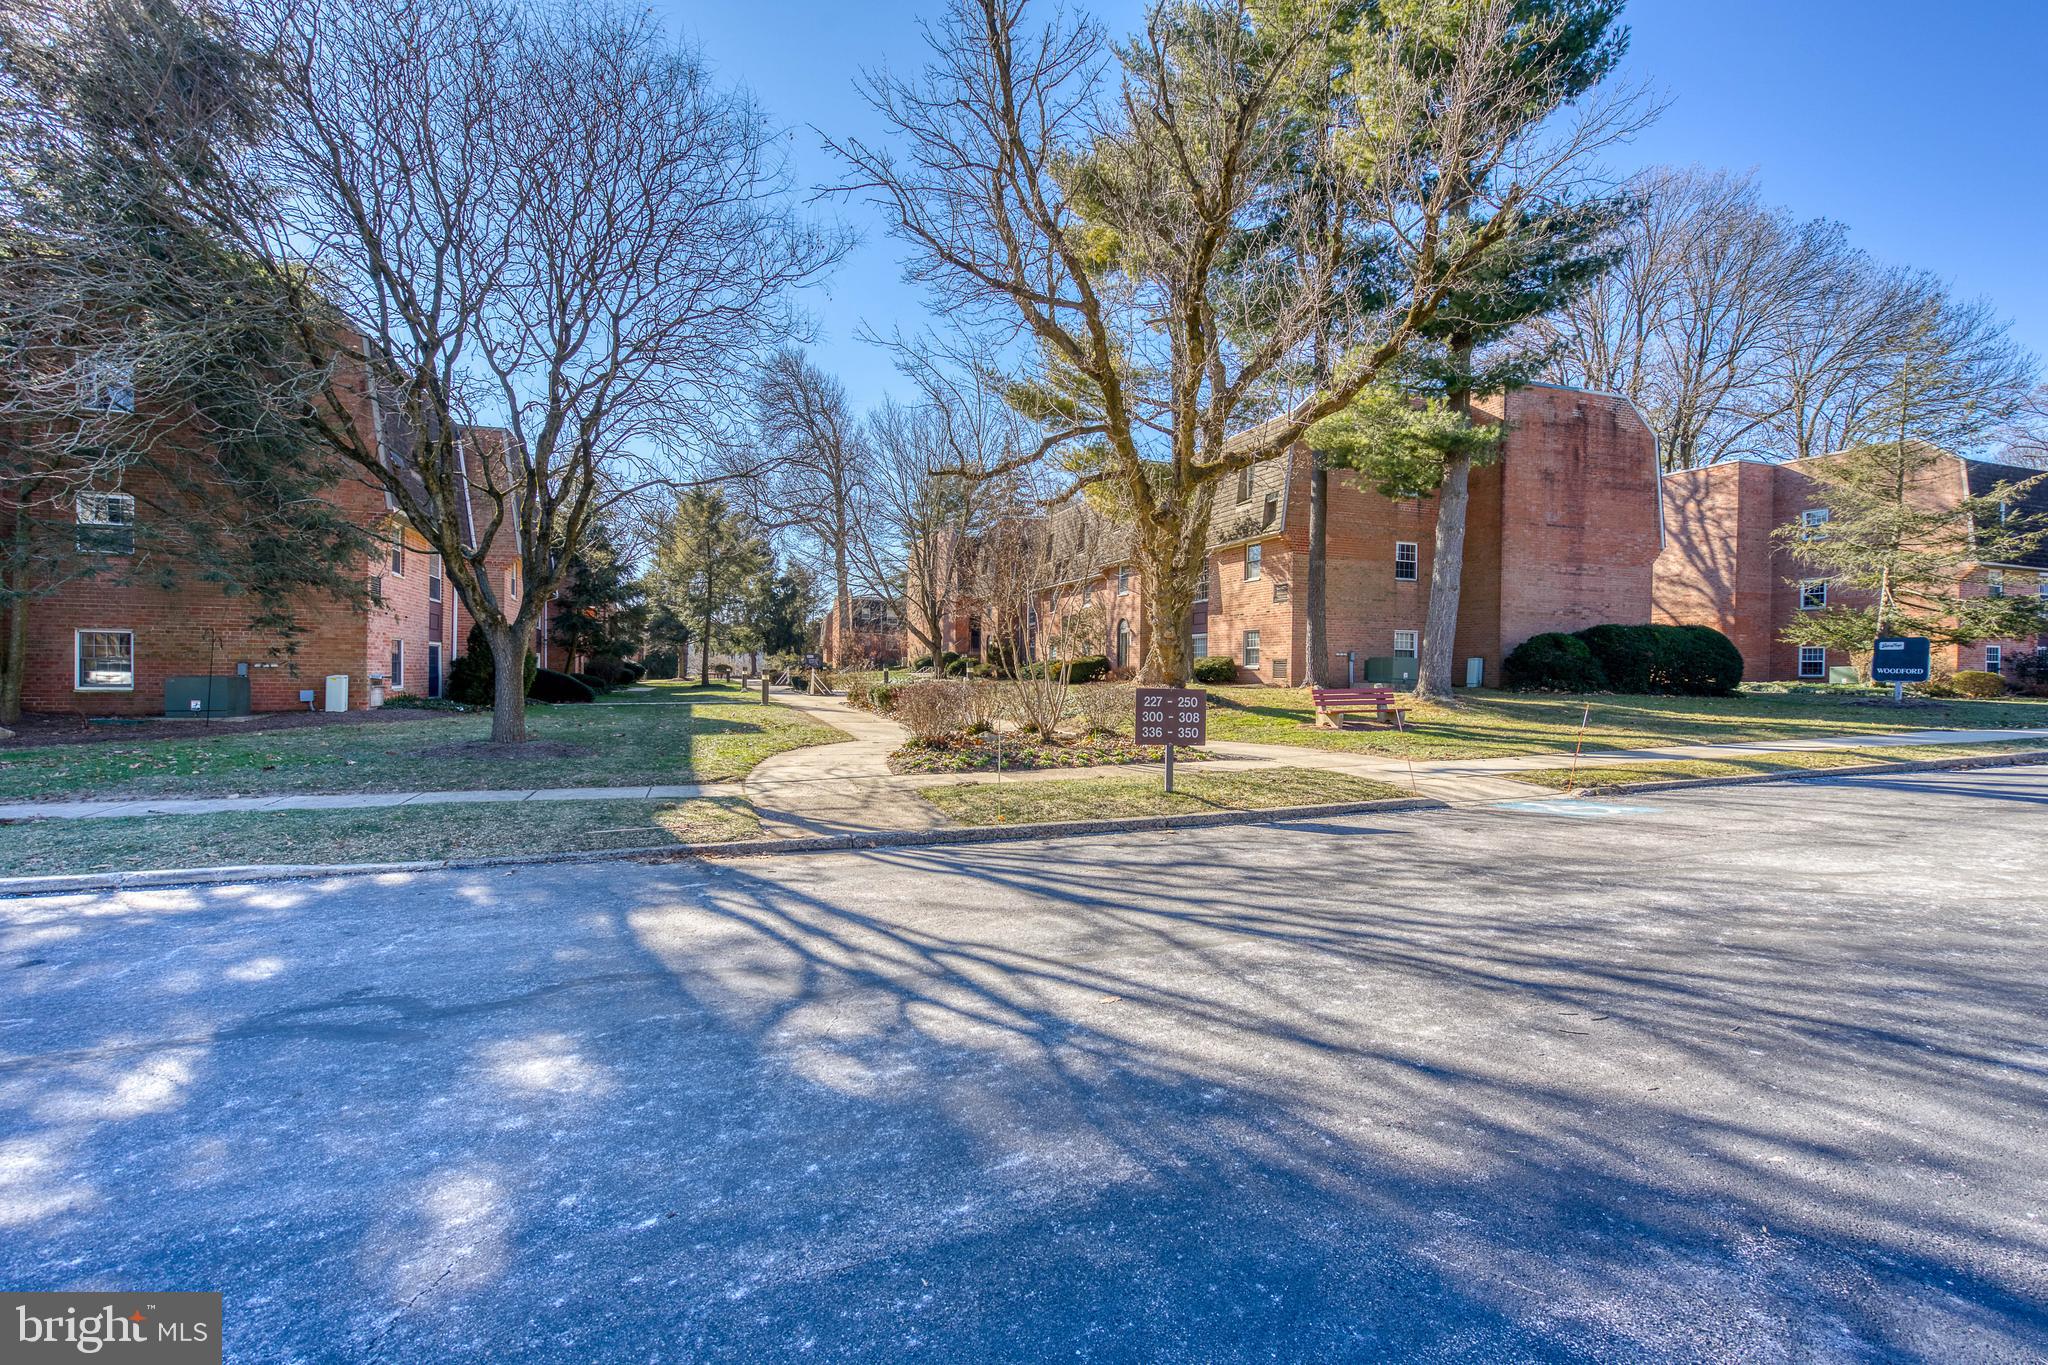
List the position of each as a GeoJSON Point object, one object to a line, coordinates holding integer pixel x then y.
{"type": "Point", "coordinates": [706, 563]}
{"type": "Point", "coordinates": [600, 611]}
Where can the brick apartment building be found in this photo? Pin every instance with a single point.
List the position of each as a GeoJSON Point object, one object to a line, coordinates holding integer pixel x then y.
{"type": "Point", "coordinates": [872, 631]}
{"type": "Point", "coordinates": [1723, 567]}
{"type": "Point", "coordinates": [1562, 533]}
{"type": "Point", "coordinates": [124, 643]}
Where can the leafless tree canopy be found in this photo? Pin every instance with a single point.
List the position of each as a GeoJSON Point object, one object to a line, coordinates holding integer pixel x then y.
{"type": "Point", "coordinates": [1097, 202]}
{"type": "Point", "coordinates": [1743, 332]}
{"type": "Point", "coordinates": [549, 219]}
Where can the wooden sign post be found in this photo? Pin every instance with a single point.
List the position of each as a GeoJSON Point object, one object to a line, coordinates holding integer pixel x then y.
{"type": "Point", "coordinates": [1172, 716]}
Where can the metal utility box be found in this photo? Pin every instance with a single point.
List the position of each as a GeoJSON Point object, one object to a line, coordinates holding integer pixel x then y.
{"type": "Point", "coordinates": [1475, 672]}
{"type": "Point", "coordinates": [336, 695]}
{"type": "Point", "coordinates": [218, 695]}
{"type": "Point", "coordinates": [1390, 671]}
{"type": "Point", "coordinates": [1844, 675]}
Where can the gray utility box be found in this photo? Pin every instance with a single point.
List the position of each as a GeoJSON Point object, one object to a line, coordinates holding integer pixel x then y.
{"type": "Point", "coordinates": [206, 696]}
{"type": "Point", "coordinates": [1390, 672]}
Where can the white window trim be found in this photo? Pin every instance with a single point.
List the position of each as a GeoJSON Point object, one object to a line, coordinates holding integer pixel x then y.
{"type": "Point", "coordinates": [1820, 663]}
{"type": "Point", "coordinates": [105, 379]}
{"type": "Point", "coordinates": [1414, 638]}
{"type": "Point", "coordinates": [1994, 659]}
{"type": "Point", "coordinates": [1249, 651]}
{"type": "Point", "coordinates": [394, 558]}
{"type": "Point", "coordinates": [398, 673]}
{"type": "Point", "coordinates": [78, 683]}
{"type": "Point", "coordinates": [1254, 563]}
{"type": "Point", "coordinates": [1994, 582]}
{"type": "Point", "coordinates": [1123, 581]}
{"type": "Point", "coordinates": [1413, 563]}
{"type": "Point", "coordinates": [434, 577]}
{"type": "Point", "coordinates": [98, 501]}
{"type": "Point", "coordinates": [1806, 588]}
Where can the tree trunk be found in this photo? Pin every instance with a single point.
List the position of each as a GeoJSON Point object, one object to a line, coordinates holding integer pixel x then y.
{"type": "Point", "coordinates": [14, 664]}
{"type": "Point", "coordinates": [1446, 582]}
{"type": "Point", "coordinates": [1169, 606]}
{"type": "Point", "coordinates": [1315, 594]}
{"type": "Point", "coordinates": [508, 692]}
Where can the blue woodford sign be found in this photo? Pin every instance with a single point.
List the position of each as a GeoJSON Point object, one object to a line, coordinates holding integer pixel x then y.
{"type": "Point", "coordinates": [1901, 659]}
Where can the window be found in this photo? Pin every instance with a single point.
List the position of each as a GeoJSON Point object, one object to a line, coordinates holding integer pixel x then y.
{"type": "Point", "coordinates": [1994, 582]}
{"type": "Point", "coordinates": [1244, 485]}
{"type": "Point", "coordinates": [1407, 560]}
{"type": "Point", "coordinates": [433, 669]}
{"type": "Point", "coordinates": [1813, 594]}
{"type": "Point", "coordinates": [1994, 658]}
{"type": "Point", "coordinates": [1202, 584]}
{"type": "Point", "coordinates": [398, 556]}
{"type": "Point", "coordinates": [1282, 590]}
{"type": "Point", "coordinates": [1813, 661]}
{"type": "Point", "coordinates": [433, 578]}
{"type": "Point", "coordinates": [1280, 668]}
{"type": "Point", "coordinates": [1407, 644]}
{"type": "Point", "coordinates": [1123, 581]}
{"type": "Point", "coordinates": [1123, 644]}
{"type": "Point", "coordinates": [1271, 513]}
{"type": "Point", "coordinates": [1254, 562]}
{"type": "Point", "coordinates": [106, 660]}
{"type": "Point", "coordinates": [377, 589]}
{"type": "Point", "coordinates": [1250, 657]}
{"type": "Point", "coordinates": [397, 664]}
{"type": "Point", "coordinates": [512, 588]}
{"type": "Point", "coordinates": [106, 524]}
{"type": "Point", "coordinates": [1201, 645]}
{"type": "Point", "coordinates": [1812, 519]}
{"type": "Point", "coordinates": [110, 386]}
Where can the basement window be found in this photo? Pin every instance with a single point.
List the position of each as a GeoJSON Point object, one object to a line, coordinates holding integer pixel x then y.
{"type": "Point", "coordinates": [105, 660]}
{"type": "Point", "coordinates": [1813, 662]}
{"type": "Point", "coordinates": [1407, 560]}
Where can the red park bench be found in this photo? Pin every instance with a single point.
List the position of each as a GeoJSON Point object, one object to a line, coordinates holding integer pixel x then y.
{"type": "Point", "coordinates": [1333, 702]}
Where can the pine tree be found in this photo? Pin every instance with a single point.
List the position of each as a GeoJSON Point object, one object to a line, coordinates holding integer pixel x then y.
{"type": "Point", "coordinates": [600, 612]}
{"type": "Point", "coordinates": [707, 560]}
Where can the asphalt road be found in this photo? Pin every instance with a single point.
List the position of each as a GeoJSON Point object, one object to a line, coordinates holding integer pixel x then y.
{"type": "Point", "coordinates": [1739, 1074]}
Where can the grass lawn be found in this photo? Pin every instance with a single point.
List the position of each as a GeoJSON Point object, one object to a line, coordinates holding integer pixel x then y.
{"type": "Point", "coordinates": [31, 848]}
{"type": "Point", "coordinates": [992, 803]}
{"type": "Point", "coordinates": [1619, 775]}
{"type": "Point", "coordinates": [1486, 724]}
{"type": "Point", "coordinates": [720, 734]}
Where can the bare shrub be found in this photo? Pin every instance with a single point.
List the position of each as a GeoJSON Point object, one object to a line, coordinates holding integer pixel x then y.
{"type": "Point", "coordinates": [1106, 706]}
{"type": "Point", "coordinates": [984, 703]}
{"type": "Point", "coordinates": [934, 710]}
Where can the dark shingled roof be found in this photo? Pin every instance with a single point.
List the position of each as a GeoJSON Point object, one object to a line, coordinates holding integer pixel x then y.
{"type": "Point", "coordinates": [1984, 476]}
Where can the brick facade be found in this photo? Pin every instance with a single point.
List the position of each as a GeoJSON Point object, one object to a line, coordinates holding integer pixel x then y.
{"type": "Point", "coordinates": [1723, 566]}
{"type": "Point", "coordinates": [1561, 533]}
{"type": "Point", "coordinates": [192, 628]}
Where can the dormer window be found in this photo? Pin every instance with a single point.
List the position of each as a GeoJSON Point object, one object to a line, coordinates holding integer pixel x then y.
{"type": "Point", "coordinates": [1244, 484]}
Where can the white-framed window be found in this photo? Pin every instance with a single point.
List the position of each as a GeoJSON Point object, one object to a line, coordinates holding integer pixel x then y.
{"type": "Point", "coordinates": [1994, 658]}
{"type": "Point", "coordinates": [1994, 582]}
{"type": "Point", "coordinates": [1202, 584]}
{"type": "Point", "coordinates": [398, 555]}
{"type": "Point", "coordinates": [397, 664]}
{"type": "Point", "coordinates": [433, 578]}
{"type": "Point", "coordinates": [1407, 561]}
{"type": "Point", "coordinates": [1813, 518]}
{"type": "Point", "coordinates": [1407, 644]}
{"type": "Point", "coordinates": [1813, 594]}
{"type": "Point", "coordinates": [1250, 656]}
{"type": "Point", "coordinates": [1271, 512]}
{"type": "Point", "coordinates": [1813, 661]}
{"type": "Point", "coordinates": [1123, 581]}
{"type": "Point", "coordinates": [1282, 590]}
{"type": "Point", "coordinates": [1123, 644]}
{"type": "Point", "coordinates": [106, 524]}
{"type": "Point", "coordinates": [1254, 563]}
{"type": "Point", "coordinates": [512, 588]}
{"type": "Point", "coordinates": [110, 386]}
{"type": "Point", "coordinates": [1201, 643]}
{"type": "Point", "coordinates": [105, 660]}
{"type": "Point", "coordinates": [1244, 484]}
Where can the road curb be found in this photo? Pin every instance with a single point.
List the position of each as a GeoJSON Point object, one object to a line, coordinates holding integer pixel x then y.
{"type": "Point", "coordinates": [1932, 765]}
{"type": "Point", "coordinates": [78, 883]}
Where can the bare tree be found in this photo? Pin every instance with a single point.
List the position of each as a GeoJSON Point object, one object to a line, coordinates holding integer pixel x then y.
{"type": "Point", "coordinates": [551, 220]}
{"type": "Point", "coordinates": [1743, 332]}
{"type": "Point", "coordinates": [1097, 202]}
{"type": "Point", "coordinates": [817, 474]}
{"type": "Point", "coordinates": [923, 513]}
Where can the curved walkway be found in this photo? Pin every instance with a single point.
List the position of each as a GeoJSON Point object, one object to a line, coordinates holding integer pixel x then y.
{"type": "Point", "coordinates": [844, 788]}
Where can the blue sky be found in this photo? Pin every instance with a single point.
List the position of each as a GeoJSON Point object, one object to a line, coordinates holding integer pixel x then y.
{"type": "Point", "coordinates": [1921, 127]}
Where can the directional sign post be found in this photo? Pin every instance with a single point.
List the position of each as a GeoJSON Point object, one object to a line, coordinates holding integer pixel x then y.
{"type": "Point", "coordinates": [1172, 716]}
{"type": "Point", "coordinates": [1900, 659]}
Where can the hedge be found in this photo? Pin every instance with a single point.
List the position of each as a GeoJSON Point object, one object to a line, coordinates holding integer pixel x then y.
{"type": "Point", "coordinates": [473, 677]}
{"type": "Point", "coordinates": [1086, 669]}
{"type": "Point", "coordinates": [550, 686]}
{"type": "Point", "coordinates": [1628, 656]}
{"type": "Point", "coordinates": [1697, 661]}
{"type": "Point", "coordinates": [1216, 668]}
{"type": "Point", "coordinates": [1692, 661]}
{"type": "Point", "coordinates": [1552, 662]}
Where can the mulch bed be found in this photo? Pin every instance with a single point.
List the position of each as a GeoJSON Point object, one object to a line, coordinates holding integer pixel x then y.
{"type": "Point", "coordinates": [1015, 753]}
{"type": "Point", "coordinates": [42, 731]}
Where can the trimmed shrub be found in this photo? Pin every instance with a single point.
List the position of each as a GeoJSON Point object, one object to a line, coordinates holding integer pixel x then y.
{"type": "Point", "coordinates": [1216, 668]}
{"type": "Point", "coordinates": [1629, 656]}
{"type": "Point", "coordinates": [634, 671]}
{"type": "Point", "coordinates": [871, 694]}
{"type": "Point", "coordinates": [550, 686]}
{"type": "Point", "coordinates": [473, 677]}
{"type": "Point", "coordinates": [610, 672]}
{"type": "Point", "coordinates": [591, 681]}
{"type": "Point", "coordinates": [1975, 682]}
{"type": "Point", "coordinates": [1552, 662]}
{"type": "Point", "coordinates": [663, 663]}
{"type": "Point", "coordinates": [1696, 661]}
{"type": "Point", "coordinates": [1002, 660]}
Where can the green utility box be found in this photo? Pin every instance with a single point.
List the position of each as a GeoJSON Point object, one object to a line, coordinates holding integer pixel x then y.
{"type": "Point", "coordinates": [1388, 671]}
{"type": "Point", "coordinates": [205, 696]}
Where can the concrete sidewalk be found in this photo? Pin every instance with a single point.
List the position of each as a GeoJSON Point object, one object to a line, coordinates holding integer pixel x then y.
{"type": "Point", "coordinates": [231, 805]}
